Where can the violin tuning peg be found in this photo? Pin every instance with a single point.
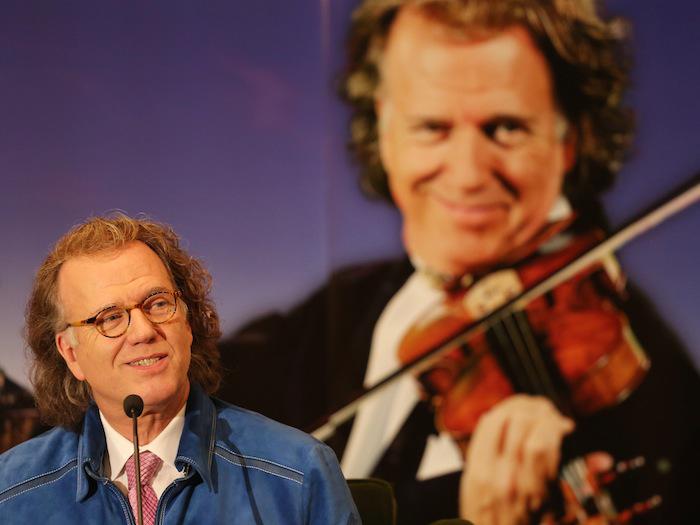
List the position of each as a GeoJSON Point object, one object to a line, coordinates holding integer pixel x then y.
{"type": "Point", "coordinates": [619, 468]}
{"type": "Point", "coordinates": [630, 464]}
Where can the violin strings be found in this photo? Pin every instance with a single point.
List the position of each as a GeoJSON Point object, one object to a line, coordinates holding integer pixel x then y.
{"type": "Point", "coordinates": [514, 369]}
{"type": "Point", "coordinates": [521, 351]}
{"type": "Point", "coordinates": [536, 357]}
{"type": "Point", "coordinates": [526, 362]}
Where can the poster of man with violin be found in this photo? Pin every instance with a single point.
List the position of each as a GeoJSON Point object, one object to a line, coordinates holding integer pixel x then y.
{"type": "Point", "coordinates": [494, 127]}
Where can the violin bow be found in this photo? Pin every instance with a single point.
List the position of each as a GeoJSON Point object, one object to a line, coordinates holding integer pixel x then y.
{"type": "Point", "coordinates": [680, 199]}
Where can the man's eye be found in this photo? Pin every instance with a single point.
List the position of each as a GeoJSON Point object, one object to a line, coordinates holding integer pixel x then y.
{"type": "Point", "coordinates": [111, 317]}
{"type": "Point", "coordinates": [158, 303]}
{"type": "Point", "coordinates": [507, 132]}
{"type": "Point", "coordinates": [431, 130]}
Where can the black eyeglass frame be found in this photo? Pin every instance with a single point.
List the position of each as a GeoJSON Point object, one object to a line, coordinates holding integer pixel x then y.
{"type": "Point", "coordinates": [93, 320]}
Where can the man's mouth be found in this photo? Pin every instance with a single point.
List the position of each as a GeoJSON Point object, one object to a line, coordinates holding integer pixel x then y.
{"type": "Point", "coordinates": [473, 214]}
{"type": "Point", "coordinates": [146, 361]}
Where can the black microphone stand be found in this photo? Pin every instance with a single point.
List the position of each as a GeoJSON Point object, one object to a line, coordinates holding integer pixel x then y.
{"type": "Point", "coordinates": [133, 407]}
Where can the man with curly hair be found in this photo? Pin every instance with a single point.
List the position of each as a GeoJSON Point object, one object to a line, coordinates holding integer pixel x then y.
{"type": "Point", "coordinates": [119, 308]}
{"type": "Point", "coordinates": [493, 126]}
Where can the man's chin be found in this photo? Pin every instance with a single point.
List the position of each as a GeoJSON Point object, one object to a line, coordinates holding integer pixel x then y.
{"type": "Point", "coordinates": [159, 397]}
{"type": "Point", "coordinates": [458, 267]}
{"type": "Point", "coordinates": [460, 256]}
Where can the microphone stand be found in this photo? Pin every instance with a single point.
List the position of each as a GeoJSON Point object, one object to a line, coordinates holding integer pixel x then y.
{"type": "Point", "coordinates": [133, 406]}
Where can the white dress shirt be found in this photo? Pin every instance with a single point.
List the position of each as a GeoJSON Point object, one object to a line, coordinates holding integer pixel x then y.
{"type": "Point", "coordinates": [165, 445]}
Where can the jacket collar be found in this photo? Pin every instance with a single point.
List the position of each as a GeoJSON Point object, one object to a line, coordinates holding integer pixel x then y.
{"type": "Point", "coordinates": [199, 435]}
{"type": "Point", "coordinates": [196, 449]}
{"type": "Point", "coordinates": [91, 449]}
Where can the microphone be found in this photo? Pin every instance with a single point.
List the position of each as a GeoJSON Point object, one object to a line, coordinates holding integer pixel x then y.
{"type": "Point", "coordinates": [133, 407]}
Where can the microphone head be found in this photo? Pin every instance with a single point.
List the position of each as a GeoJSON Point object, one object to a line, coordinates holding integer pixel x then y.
{"type": "Point", "coordinates": [133, 405]}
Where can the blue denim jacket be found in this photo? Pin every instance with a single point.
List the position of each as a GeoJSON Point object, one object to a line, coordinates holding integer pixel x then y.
{"type": "Point", "coordinates": [239, 467]}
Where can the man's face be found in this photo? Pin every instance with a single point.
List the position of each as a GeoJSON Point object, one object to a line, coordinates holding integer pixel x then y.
{"type": "Point", "coordinates": [471, 140]}
{"type": "Point", "coordinates": [115, 368]}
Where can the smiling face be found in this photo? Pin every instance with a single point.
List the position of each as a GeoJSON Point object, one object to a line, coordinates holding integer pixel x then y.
{"type": "Point", "coordinates": [471, 140]}
{"type": "Point", "coordinates": [151, 360]}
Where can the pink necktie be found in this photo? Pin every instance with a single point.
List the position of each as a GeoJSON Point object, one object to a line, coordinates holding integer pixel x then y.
{"type": "Point", "coordinates": [149, 464]}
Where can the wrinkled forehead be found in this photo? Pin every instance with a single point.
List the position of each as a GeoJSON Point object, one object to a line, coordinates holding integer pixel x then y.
{"type": "Point", "coordinates": [456, 25]}
{"type": "Point", "coordinates": [502, 71]}
{"type": "Point", "coordinates": [120, 272]}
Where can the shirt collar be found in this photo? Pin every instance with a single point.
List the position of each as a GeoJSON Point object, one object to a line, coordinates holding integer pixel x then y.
{"type": "Point", "coordinates": [120, 449]}
{"type": "Point", "coordinates": [561, 209]}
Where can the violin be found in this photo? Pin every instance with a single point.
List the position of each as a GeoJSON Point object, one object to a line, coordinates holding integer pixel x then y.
{"type": "Point", "coordinates": [573, 345]}
{"type": "Point", "coordinates": [521, 329]}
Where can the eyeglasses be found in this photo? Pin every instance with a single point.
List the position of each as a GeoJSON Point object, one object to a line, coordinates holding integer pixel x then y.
{"type": "Point", "coordinates": [114, 321]}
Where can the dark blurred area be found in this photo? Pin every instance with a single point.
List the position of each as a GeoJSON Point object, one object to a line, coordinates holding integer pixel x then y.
{"type": "Point", "coordinates": [19, 417]}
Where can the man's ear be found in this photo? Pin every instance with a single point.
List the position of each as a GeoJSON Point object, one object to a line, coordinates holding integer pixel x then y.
{"type": "Point", "coordinates": [66, 343]}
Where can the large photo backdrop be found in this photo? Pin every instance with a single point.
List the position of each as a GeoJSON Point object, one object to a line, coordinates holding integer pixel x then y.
{"type": "Point", "coordinates": [221, 119]}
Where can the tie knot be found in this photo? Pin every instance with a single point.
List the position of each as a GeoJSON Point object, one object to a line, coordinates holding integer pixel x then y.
{"type": "Point", "coordinates": [149, 464]}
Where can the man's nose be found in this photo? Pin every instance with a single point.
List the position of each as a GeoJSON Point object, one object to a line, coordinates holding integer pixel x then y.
{"type": "Point", "coordinates": [141, 329]}
{"type": "Point", "coordinates": [467, 160]}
